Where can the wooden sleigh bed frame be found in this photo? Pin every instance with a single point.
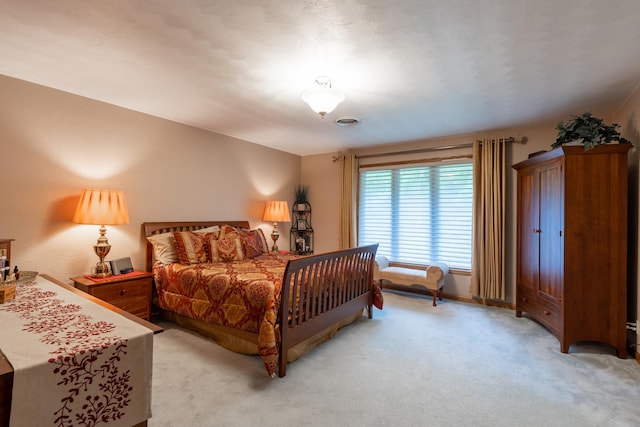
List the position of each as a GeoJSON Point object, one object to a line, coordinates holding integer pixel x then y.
{"type": "Point", "coordinates": [332, 290]}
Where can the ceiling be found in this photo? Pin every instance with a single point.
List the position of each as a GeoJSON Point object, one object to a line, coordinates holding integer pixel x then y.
{"type": "Point", "coordinates": [411, 69]}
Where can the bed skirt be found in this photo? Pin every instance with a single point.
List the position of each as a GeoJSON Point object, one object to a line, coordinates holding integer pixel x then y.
{"type": "Point", "coordinates": [246, 343]}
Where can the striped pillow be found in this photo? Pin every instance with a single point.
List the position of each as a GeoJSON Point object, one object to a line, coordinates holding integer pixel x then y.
{"type": "Point", "coordinates": [191, 247]}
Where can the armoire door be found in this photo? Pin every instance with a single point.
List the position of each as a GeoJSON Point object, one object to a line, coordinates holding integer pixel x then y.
{"type": "Point", "coordinates": [550, 232]}
{"type": "Point", "coordinates": [528, 239]}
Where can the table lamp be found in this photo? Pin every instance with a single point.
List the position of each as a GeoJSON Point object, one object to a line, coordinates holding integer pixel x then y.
{"type": "Point", "coordinates": [101, 207]}
{"type": "Point", "coordinates": [276, 211]}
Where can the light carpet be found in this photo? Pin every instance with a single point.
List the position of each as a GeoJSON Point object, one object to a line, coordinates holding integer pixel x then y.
{"type": "Point", "coordinates": [456, 364]}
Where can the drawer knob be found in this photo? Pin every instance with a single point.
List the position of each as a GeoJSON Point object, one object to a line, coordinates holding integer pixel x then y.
{"type": "Point", "coordinates": [524, 299]}
{"type": "Point", "coordinates": [547, 313]}
{"type": "Point", "coordinates": [123, 291]}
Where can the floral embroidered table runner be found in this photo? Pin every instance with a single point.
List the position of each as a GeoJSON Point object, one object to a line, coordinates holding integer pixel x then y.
{"type": "Point", "coordinates": [75, 362]}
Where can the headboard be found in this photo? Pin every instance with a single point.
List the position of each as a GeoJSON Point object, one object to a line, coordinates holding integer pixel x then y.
{"type": "Point", "coordinates": [151, 228]}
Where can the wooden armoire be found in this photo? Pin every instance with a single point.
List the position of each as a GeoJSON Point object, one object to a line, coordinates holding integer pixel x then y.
{"type": "Point", "coordinates": [571, 273]}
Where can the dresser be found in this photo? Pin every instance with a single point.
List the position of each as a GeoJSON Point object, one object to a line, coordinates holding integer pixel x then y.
{"type": "Point", "coordinates": [571, 273]}
{"type": "Point", "coordinates": [129, 292]}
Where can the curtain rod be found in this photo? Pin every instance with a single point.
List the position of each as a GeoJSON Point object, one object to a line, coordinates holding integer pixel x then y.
{"type": "Point", "coordinates": [511, 139]}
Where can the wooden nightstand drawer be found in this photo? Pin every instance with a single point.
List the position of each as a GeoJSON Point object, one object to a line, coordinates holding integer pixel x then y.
{"type": "Point", "coordinates": [131, 293]}
{"type": "Point", "coordinates": [126, 289]}
{"type": "Point", "coordinates": [134, 305]}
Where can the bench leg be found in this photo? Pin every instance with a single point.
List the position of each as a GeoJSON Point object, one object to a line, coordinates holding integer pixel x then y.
{"type": "Point", "coordinates": [437, 292]}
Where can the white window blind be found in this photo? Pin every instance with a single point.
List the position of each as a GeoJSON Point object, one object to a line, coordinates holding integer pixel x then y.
{"type": "Point", "coordinates": [418, 214]}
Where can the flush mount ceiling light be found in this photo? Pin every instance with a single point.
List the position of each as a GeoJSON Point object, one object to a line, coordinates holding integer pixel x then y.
{"type": "Point", "coordinates": [323, 99]}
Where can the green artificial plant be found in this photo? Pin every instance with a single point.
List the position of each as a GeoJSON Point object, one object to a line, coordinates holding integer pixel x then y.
{"type": "Point", "coordinates": [301, 193]}
{"type": "Point", "coordinates": [591, 130]}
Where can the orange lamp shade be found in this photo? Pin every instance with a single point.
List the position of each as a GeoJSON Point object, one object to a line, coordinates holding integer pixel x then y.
{"type": "Point", "coordinates": [101, 207]}
{"type": "Point", "coordinates": [277, 211]}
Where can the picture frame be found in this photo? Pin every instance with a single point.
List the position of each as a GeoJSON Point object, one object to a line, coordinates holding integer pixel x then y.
{"type": "Point", "coordinates": [302, 224]}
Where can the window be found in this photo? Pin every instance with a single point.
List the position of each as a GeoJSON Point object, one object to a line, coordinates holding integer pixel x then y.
{"type": "Point", "coordinates": [418, 214]}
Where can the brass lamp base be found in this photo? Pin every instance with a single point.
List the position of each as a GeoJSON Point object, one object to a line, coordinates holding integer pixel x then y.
{"type": "Point", "coordinates": [274, 236]}
{"type": "Point", "coordinates": [101, 269]}
{"type": "Point", "coordinates": [102, 248]}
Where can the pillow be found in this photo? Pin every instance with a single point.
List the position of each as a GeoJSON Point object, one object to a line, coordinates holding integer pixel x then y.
{"type": "Point", "coordinates": [265, 245]}
{"type": "Point", "coordinates": [227, 230]}
{"type": "Point", "coordinates": [164, 249]}
{"type": "Point", "coordinates": [191, 247]}
{"type": "Point", "coordinates": [226, 249]}
{"type": "Point", "coordinates": [214, 229]}
{"type": "Point", "coordinates": [252, 243]}
{"type": "Point", "coordinates": [254, 238]}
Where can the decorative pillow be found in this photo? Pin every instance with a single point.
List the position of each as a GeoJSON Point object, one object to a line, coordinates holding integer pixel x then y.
{"type": "Point", "coordinates": [252, 243]}
{"type": "Point", "coordinates": [191, 247]}
{"type": "Point", "coordinates": [263, 240]}
{"type": "Point", "coordinates": [226, 249]}
{"type": "Point", "coordinates": [254, 238]}
{"type": "Point", "coordinates": [164, 248]}
{"type": "Point", "coordinates": [227, 230]}
{"type": "Point", "coordinates": [214, 229]}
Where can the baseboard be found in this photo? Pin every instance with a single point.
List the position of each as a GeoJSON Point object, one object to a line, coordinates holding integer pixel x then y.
{"type": "Point", "coordinates": [490, 303]}
{"type": "Point", "coordinates": [419, 289]}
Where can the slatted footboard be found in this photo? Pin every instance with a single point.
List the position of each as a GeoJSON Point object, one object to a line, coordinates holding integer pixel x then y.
{"type": "Point", "coordinates": [324, 289]}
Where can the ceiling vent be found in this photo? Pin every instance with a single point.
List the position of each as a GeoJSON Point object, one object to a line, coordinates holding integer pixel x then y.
{"type": "Point", "coordinates": [347, 121]}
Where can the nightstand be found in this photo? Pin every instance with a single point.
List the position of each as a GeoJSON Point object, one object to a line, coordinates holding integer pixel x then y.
{"type": "Point", "coordinates": [131, 293]}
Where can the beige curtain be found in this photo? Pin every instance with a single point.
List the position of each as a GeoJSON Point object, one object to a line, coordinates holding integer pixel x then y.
{"type": "Point", "coordinates": [347, 202]}
{"type": "Point", "coordinates": [489, 175]}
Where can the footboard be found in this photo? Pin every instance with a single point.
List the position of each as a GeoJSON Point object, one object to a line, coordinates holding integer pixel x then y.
{"type": "Point", "coordinates": [322, 290]}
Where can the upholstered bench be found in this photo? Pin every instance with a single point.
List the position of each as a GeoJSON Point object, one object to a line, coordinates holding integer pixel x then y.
{"type": "Point", "coordinates": [431, 278]}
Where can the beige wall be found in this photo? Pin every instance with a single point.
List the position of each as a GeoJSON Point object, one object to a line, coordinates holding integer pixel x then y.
{"type": "Point", "coordinates": [322, 176]}
{"type": "Point", "coordinates": [53, 144]}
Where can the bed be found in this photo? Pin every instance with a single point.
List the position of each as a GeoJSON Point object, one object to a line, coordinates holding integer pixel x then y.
{"type": "Point", "coordinates": [222, 281]}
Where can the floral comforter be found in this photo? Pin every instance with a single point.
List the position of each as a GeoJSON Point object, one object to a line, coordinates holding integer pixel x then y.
{"type": "Point", "coordinates": [240, 294]}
